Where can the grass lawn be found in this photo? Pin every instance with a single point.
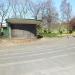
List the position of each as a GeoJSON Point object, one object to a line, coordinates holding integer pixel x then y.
{"type": "Point", "coordinates": [57, 34]}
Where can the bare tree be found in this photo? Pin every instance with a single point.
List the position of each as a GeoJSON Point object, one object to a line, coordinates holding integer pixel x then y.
{"type": "Point", "coordinates": [35, 9]}
{"type": "Point", "coordinates": [66, 12]}
{"type": "Point", "coordinates": [4, 8]}
{"type": "Point", "coordinates": [19, 8]}
{"type": "Point", "coordinates": [22, 8]}
{"type": "Point", "coordinates": [49, 13]}
{"type": "Point", "coordinates": [14, 8]}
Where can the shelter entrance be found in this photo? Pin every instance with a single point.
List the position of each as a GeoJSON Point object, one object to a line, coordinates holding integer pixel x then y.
{"type": "Point", "coordinates": [23, 31]}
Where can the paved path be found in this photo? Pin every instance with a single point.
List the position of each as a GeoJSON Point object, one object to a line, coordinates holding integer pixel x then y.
{"type": "Point", "coordinates": [46, 57]}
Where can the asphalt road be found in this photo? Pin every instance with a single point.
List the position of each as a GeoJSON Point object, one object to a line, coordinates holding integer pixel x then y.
{"type": "Point", "coordinates": [46, 57]}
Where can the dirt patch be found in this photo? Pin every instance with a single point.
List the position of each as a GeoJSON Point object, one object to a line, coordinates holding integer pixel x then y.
{"type": "Point", "coordinates": [15, 42]}
{"type": "Point", "coordinates": [6, 43]}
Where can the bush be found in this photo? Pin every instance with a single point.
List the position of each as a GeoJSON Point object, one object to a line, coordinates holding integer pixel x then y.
{"type": "Point", "coordinates": [4, 33]}
{"type": "Point", "coordinates": [39, 36]}
{"type": "Point", "coordinates": [70, 31]}
{"type": "Point", "coordinates": [45, 31]}
{"type": "Point", "coordinates": [60, 31]}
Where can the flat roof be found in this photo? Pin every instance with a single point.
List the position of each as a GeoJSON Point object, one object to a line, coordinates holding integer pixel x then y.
{"type": "Point", "coordinates": [23, 21]}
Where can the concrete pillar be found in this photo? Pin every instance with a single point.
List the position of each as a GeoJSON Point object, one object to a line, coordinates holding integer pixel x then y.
{"type": "Point", "coordinates": [9, 28]}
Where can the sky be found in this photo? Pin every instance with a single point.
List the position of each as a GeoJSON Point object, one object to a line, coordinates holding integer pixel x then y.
{"type": "Point", "coordinates": [72, 2]}
{"type": "Point", "coordinates": [58, 2]}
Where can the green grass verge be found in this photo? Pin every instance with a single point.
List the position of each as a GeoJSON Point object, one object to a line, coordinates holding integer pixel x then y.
{"type": "Point", "coordinates": [49, 34]}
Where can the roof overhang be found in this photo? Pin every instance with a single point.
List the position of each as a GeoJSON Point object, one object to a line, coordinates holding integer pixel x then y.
{"type": "Point", "coordinates": [23, 21]}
